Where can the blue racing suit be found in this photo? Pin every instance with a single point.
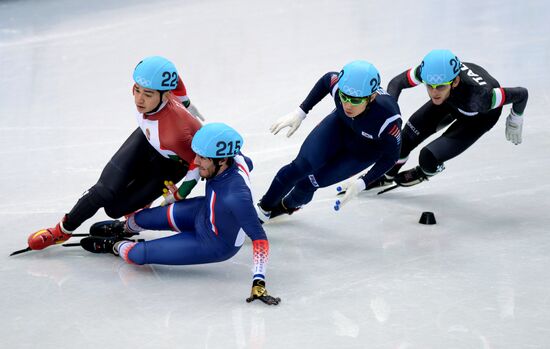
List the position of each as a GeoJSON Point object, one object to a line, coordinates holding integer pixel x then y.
{"type": "Point", "coordinates": [339, 147]}
{"type": "Point", "coordinates": [212, 227]}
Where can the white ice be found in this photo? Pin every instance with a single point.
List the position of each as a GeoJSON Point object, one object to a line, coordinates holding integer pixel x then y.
{"type": "Point", "coordinates": [368, 276]}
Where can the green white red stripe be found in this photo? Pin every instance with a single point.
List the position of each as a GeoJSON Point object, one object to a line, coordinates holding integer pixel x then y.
{"type": "Point", "coordinates": [498, 98]}
{"type": "Point", "coordinates": [411, 77]}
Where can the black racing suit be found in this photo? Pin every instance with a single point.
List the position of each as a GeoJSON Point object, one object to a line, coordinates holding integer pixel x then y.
{"type": "Point", "coordinates": [472, 108]}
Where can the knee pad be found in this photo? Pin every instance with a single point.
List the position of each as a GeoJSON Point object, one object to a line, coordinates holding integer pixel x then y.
{"type": "Point", "coordinates": [429, 163]}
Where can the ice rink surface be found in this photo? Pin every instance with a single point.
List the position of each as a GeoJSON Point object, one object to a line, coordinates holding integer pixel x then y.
{"type": "Point", "coordinates": [368, 276]}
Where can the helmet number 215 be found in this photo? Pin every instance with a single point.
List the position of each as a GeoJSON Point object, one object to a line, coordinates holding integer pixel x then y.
{"type": "Point", "coordinates": [227, 149]}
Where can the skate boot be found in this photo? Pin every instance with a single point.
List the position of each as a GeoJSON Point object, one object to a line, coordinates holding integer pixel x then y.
{"type": "Point", "coordinates": [111, 228]}
{"type": "Point", "coordinates": [98, 244]}
{"type": "Point", "coordinates": [280, 209]}
{"type": "Point", "coordinates": [411, 177]}
{"type": "Point", "coordinates": [47, 237]}
{"type": "Point", "coordinates": [383, 181]}
{"type": "Point", "coordinates": [265, 215]}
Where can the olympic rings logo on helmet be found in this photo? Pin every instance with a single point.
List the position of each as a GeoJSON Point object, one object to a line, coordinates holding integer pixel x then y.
{"type": "Point", "coordinates": [435, 79]}
{"type": "Point", "coordinates": [359, 79]}
{"type": "Point", "coordinates": [156, 73]}
{"type": "Point", "coordinates": [439, 67]}
{"type": "Point", "coordinates": [142, 81]}
{"type": "Point", "coordinates": [350, 91]}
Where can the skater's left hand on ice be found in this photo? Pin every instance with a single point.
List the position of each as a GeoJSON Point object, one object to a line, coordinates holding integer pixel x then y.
{"type": "Point", "coordinates": [351, 189]}
{"type": "Point", "coordinates": [259, 292]}
{"type": "Point", "coordinates": [514, 126]}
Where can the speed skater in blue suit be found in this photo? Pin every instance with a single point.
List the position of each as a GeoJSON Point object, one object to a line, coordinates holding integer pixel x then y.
{"type": "Point", "coordinates": [363, 130]}
{"type": "Point", "coordinates": [212, 228]}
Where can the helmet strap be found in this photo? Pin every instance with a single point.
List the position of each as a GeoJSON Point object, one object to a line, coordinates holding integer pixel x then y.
{"type": "Point", "coordinates": [367, 107]}
{"type": "Point", "coordinates": [217, 166]}
{"type": "Point", "coordinates": [156, 109]}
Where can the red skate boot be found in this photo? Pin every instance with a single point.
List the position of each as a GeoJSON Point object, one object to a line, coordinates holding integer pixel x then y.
{"type": "Point", "coordinates": [47, 237]}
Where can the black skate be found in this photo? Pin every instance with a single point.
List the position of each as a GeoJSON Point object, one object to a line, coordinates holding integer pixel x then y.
{"type": "Point", "coordinates": [112, 228]}
{"type": "Point", "coordinates": [383, 181]}
{"type": "Point", "coordinates": [97, 244]}
{"type": "Point", "coordinates": [280, 209]}
{"type": "Point", "coordinates": [103, 230]}
{"type": "Point", "coordinates": [410, 177]}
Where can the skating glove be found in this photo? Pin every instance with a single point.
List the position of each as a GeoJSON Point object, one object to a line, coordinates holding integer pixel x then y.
{"type": "Point", "coordinates": [170, 193]}
{"type": "Point", "coordinates": [292, 120]}
{"type": "Point", "coordinates": [259, 292]}
{"type": "Point", "coordinates": [514, 126]}
{"type": "Point", "coordinates": [351, 188]}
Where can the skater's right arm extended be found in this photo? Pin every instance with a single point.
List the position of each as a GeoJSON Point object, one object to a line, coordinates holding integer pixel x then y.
{"type": "Point", "coordinates": [293, 119]}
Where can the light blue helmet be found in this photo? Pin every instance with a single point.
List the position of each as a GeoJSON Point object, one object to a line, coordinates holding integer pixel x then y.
{"type": "Point", "coordinates": [359, 79]}
{"type": "Point", "coordinates": [439, 67]}
{"type": "Point", "coordinates": [156, 73]}
{"type": "Point", "coordinates": [216, 140]}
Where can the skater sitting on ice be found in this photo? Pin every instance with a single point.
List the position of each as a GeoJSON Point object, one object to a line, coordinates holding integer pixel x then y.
{"type": "Point", "coordinates": [211, 228]}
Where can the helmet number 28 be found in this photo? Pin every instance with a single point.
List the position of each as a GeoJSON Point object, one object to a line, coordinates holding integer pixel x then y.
{"type": "Point", "coordinates": [375, 83]}
{"type": "Point", "coordinates": [170, 80]}
{"type": "Point", "coordinates": [227, 149]}
{"type": "Point", "coordinates": [455, 63]}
